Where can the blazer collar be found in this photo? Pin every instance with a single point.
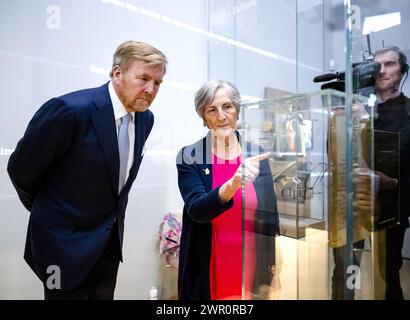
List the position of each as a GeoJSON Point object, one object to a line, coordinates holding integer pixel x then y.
{"type": "Point", "coordinates": [104, 126]}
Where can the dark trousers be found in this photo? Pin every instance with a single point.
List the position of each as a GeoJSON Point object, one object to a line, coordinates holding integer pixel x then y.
{"type": "Point", "coordinates": [339, 276]}
{"type": "Point", "coordinates": [100, 282]}
{"type": "Point", "coordinates": [394, 262]}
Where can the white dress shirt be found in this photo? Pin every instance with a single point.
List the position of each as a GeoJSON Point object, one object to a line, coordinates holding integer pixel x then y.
{"type": "Point", "coordinates": [119, 112]}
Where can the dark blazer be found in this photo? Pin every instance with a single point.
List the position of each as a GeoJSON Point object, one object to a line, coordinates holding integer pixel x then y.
{"type": "Point", "coordinates": [394, 116]}
{"type": "Point", "coordinates": [202, 204]}
{"type": "Point", "coordinates": [65, 170]}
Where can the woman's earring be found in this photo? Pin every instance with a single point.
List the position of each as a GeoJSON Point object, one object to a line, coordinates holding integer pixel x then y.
{"type": "Point", "coordinates": [205, 124]}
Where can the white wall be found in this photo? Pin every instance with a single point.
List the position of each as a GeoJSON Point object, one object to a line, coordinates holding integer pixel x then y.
{"type": "Point", "coordinates": [45, 54]}
{"type": "Point", "coordinates": [280, 44]}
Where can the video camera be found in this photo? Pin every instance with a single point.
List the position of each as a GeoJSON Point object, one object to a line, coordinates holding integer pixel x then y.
{"type": "Point", "coordinates": [363, 78]}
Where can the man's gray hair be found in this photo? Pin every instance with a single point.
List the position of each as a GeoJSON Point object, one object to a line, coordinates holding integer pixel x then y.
{"type": "Point", "coordinates": [131, 51]}
{"type": "Point", "coordinates": [205, 95]}
{"type": "Point", "coordinates": [404, 67]}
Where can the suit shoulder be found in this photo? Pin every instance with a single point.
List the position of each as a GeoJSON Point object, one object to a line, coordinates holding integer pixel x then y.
{"type": "Point", "coordinates": [149, 113]}
{"type": "Point", "coordinates": [82, 98]}
{"type": "Point", "coordinates": [189, 148]}
{"type": "Point", "coordinates": [407, 104]}
{"type": "Point", "coordinates": [78, 95]}
{"type": "Point", "coordinates": [190, 153]}
{"type": "Point", "coordinates": [149, 116]}
{"type": "Point", "coordinates": [181, 152]}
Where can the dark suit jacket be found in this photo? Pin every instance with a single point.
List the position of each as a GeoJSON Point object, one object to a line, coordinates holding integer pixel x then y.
{"type": "Point", "coordinates": [65, 170]}
{"type": "Point", "coordinates": [202, 204]}
{"type": "Point", "coordinates": [394, 116]}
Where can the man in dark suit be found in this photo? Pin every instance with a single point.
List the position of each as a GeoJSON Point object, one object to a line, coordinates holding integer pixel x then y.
{"type": "Point", "coordinates": [393, 117]}
{"type": "Point", "coordinates": [73, 170]}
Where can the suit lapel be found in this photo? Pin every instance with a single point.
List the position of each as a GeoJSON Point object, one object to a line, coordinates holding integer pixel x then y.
{"type": "Point", "coordinates": [203, 152]}
{"type": "Point", "coordinates": [140, 130]}
{"type": "Point", "coordinates": [104, 126]}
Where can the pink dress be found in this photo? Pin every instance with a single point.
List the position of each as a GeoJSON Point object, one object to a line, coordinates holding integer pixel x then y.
{"type": "Point", "coordinates": [227, 240]}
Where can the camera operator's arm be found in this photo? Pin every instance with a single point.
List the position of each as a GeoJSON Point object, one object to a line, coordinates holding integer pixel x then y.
{"type": "Point", "coordinates": [386, 183]}
{"type": "Point", "coordinates": [363, 200]}
{"type": "Point", "coordinates": [362, 180]}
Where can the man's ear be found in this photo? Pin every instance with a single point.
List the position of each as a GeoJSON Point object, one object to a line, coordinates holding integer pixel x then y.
{"type": "Point", "coordinates": [116, 73]}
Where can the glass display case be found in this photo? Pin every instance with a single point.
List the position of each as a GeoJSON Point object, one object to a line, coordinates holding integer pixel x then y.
{"type": "Point", "coordinates": [303, 138]}
{"type": "Point", "coordinates": [329, 163]}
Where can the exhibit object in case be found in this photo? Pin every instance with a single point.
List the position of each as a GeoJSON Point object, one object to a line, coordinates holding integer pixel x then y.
{"type": "Point", "coordinates": [305, 136]}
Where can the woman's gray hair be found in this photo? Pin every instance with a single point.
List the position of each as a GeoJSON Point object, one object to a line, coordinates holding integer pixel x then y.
{"type": "Point", "coordinates": [205, 95]}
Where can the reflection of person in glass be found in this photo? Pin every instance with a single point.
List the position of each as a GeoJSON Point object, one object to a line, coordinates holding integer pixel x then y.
{"type": "Point", "coordinates": [290, 136]}
{"type": "Point", "coordinates": [210, 180]}
{"type": "Point", "coordinates": [393, 114]}
{"type": "Point", "coordinates": [294, 134]}
{"type": "Point", "coordinates": [392, 117]}
{"type": "Point", "coordinates": [307, 133]}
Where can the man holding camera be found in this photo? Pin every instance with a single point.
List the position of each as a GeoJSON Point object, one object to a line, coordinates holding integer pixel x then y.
{"type": "Point", "coordinates": [394, 115]}
{"type": "Point", "coordinates": [391, 136]}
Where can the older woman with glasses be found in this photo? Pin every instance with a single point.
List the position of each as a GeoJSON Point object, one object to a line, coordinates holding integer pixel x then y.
{"type": "Point", "coordinates": [214, 231]}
